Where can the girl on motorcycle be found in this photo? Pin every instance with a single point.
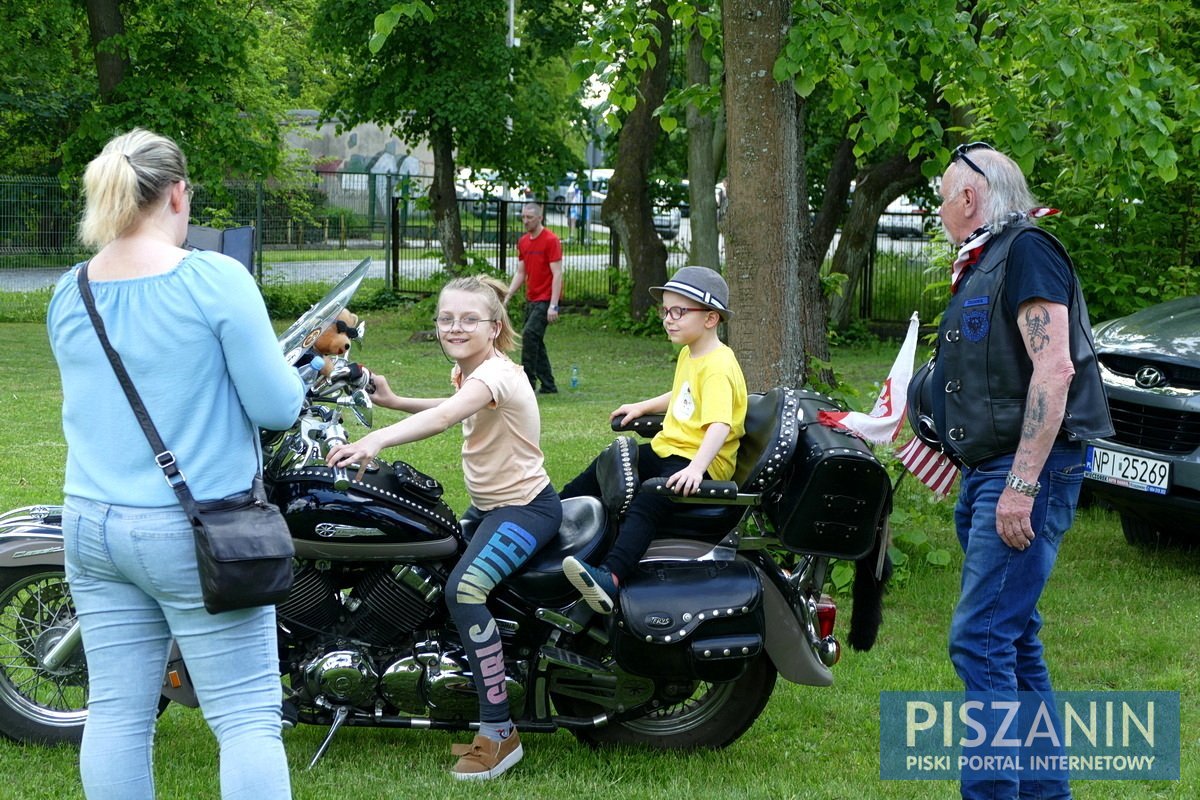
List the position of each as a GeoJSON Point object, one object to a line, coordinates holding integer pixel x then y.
{"type": "Point", "coordinates": [512, 498]}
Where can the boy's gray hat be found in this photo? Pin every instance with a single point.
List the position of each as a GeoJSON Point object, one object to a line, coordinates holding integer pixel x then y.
{"type": "Point", "coordinates": [701, 284]}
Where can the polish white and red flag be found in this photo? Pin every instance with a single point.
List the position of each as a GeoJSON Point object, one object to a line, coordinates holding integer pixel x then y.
{"type": "Point", "coordinates": [883, 424]}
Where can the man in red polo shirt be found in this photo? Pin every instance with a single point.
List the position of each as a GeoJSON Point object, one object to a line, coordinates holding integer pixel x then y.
{"type": "Point", "coordinates": [539, 269]}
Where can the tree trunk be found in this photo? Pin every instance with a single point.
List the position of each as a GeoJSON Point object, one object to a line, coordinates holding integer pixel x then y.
{"type": "Point", "coordinates": [444, 200]}
{"type": "Point", "coordinates": [105, 21]}
{"type": "Point", "coordinates": [842, 169]}
{"type": "Point", "coordinates": [762, 240]}
{"type": "Point", "coordinates": [627, 209]}
{"type": "Point", "coordinates": [814, 322]}
{"type": "Point", "coordinates": [702, 167]}
{"type": "Point", "coordinates": [879, 185]}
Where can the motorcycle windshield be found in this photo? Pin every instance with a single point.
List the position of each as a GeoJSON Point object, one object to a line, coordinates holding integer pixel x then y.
{"type": "Point", "coordinates": [305, 331]}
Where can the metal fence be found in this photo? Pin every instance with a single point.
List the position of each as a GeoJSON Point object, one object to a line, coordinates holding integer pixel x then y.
{"type": "Point", "coordinates": [315, 232]}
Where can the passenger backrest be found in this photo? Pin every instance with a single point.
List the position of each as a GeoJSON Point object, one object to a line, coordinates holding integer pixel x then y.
{"type": "Point", "coordinates": [770, 439]}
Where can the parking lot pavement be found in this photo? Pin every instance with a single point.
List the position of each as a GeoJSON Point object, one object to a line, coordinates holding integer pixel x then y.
{"type": "Point", "coordinates": [28, 280]}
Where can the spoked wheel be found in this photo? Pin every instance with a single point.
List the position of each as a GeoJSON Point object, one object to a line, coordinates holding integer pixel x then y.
{"type": "Point", "coordinates": [39, 705]}
{"type": "Point", "coordinates": [713, 716]}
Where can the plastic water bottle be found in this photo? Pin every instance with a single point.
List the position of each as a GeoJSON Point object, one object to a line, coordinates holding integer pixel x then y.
{"type": "Point", "coordinates": [574, 376]}
{"type": "Point", "coordinates": [311, 371]}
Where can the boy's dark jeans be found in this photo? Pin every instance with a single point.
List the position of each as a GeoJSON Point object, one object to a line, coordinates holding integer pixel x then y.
{"type": "Point", "coordinates": [646, 514]}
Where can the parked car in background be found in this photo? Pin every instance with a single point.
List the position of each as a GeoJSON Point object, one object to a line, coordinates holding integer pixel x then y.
{"type": "Point", "coordinates": [557, 195]}
{"type": "Point", "coordinates": [685, 198]}
{"type": "Point", "coordinates": [483, 188]}
{"type": "Point", "coordinates": [667, 222]}
{"type": "Point", "coordinates": [904, 218]}
{"type": "Point", "coordinates": [1149, 470]}
{"type": "Point", "coordinates": [666, 217]}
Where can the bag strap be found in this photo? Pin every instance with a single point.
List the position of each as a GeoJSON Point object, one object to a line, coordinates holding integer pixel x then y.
{"type": "Point", "coordinates": [163, 457]}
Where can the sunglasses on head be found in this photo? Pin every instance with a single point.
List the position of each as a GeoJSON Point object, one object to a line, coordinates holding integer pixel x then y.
{"type": "Point", "coordinates": [960, 154]}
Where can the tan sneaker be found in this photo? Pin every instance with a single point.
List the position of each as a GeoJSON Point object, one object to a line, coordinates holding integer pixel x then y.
{"type": "Point", "coordinates": [486, 758]}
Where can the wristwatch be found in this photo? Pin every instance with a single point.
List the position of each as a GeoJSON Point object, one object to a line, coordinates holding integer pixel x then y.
{"type": "Point", "coordinates": [553, 307]}
{"type": "Point", "coordinates": [1021, 486]}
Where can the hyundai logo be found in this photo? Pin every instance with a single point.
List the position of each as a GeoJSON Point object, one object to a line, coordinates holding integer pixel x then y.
{"type": "Point", "coordinates": [1148, 377]}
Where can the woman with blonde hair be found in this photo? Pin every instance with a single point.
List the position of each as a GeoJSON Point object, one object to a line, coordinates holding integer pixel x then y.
{"type": "Point", "coordinates": [512, 501]}
{"type": "Point", "coordinates": [195, 338]}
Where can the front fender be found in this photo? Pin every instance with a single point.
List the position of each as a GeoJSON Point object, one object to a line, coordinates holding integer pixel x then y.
{"type": "Point", "coordinates": [787, 639]}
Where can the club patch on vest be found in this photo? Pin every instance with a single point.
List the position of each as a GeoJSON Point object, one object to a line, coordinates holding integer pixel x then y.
{"type": "Point", "coordinates": [975, 325]}
{"type": "Point", "coordinates": [976, 301]}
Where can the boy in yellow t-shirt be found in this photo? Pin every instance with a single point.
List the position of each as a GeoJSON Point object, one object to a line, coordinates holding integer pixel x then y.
{"type": "Point", "coordinates": [705, 419]}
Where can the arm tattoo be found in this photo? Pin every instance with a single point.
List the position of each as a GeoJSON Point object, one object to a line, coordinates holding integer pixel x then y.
{"type": "Point", "coordinates": [1035, 413]}
{"type": "Point", "coordinates": [1037, 320]}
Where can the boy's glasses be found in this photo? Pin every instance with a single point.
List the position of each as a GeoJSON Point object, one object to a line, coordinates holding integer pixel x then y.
{"type": "Point", "coordinates": [465, 324]}
{"type": "Point", "coordinates": [676, 312]}
{"type": "Point", "coordinates": [961, 151]}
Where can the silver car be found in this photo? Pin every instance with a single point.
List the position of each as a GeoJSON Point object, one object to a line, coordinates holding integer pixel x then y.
{"type": "Point", "coordinates": [1149, 470]}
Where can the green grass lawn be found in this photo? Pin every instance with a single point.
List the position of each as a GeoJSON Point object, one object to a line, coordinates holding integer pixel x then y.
{"type": "Point", "coordinates": [1116, 618]}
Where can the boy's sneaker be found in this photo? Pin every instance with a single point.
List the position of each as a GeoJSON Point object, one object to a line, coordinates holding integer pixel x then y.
{"type": "Point", "coordinates": [597, 584]}
{"type": "Point", "coordinates": [486, 758]}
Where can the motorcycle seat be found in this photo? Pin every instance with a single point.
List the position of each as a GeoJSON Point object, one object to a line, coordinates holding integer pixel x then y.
{"type": "Point", "coordinates": [581, 534]}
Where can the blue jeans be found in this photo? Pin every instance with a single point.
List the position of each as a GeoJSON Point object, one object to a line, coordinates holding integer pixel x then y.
{"type": "Point", "coordinates": [133, 577]}
{"type": "Point", "coordinates": [994, 642]}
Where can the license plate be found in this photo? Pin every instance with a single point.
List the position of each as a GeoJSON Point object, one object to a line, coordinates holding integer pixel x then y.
{"type": "Point", "coordinates": [1124, 469]}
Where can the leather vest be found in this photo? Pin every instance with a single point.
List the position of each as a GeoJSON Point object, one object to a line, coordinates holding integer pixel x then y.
{"type": "Point", "coordinates": [984, 369]}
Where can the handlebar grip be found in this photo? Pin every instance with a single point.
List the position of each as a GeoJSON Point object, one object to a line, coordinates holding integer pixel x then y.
{"type": "Point", "coordinates": [341, 476]}
{"type": "Point", "coordinates": [341, 479]}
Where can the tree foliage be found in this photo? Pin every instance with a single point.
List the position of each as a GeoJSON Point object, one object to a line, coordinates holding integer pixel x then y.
{"type": "Point", "coordinates": [1095, 101]}
{"type": "Point", "coordinates": [206, 73]}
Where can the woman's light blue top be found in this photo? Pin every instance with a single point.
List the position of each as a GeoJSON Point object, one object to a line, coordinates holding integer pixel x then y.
{"type": "Point", "coordinates": [200, 350]}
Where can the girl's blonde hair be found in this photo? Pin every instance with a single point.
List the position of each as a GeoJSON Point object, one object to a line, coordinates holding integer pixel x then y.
{"type": "Point", "coordinates": [492, 291]}
{"type": "Point", "coordinates": [131, 175]}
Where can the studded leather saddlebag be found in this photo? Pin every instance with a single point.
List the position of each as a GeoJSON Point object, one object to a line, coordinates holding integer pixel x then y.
{"type": "Point", "coordinates": [689, 619]}
{"type": "Point", "coordinates": [834, 492]}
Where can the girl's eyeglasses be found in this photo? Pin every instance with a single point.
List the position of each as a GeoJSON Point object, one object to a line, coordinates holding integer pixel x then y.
{"type": "Point", "coordinates": [465, 324]}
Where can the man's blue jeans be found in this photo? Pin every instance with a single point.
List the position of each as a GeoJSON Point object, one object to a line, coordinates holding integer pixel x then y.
{"type": "Point", "coordinates": [134, 581]}
{"type": "Point", "coordinates": [994, 642]}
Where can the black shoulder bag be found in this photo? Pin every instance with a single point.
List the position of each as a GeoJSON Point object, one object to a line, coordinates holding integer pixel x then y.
{"type": "Point", "coordinates": [243, 547]}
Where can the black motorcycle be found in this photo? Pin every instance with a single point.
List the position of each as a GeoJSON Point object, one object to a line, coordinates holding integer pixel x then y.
{"type": "Point", "coordinates": [728, 597]}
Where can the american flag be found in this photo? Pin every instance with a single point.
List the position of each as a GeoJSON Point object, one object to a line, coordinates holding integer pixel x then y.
{"type": "Point", "coordinates": [930, 467]}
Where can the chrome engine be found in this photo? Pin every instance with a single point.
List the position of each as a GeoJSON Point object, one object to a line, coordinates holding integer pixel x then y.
{"type": "Point", "coordinates": [384, 607]}
{"type": "Point", "coordinates": [428, 682]}
{"type": "Point", "coordinates": [362, 650]}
